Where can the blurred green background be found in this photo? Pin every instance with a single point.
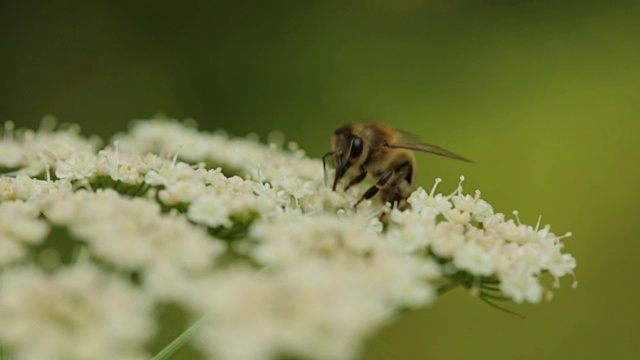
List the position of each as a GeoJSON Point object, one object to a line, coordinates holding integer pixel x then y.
{"type": "Point", "coordinates": [544, 96]}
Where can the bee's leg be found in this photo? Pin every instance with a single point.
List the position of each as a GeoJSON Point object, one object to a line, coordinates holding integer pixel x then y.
{"type": "Point", "coordinates": [356, 179]}
{"type": "Point", "coordinates": [372, 191]}
{"type": "Point", "coordinates": [396, 191]}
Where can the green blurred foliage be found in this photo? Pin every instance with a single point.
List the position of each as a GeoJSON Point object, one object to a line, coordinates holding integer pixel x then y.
{"type": "Point", "coordinates": [544, 96]}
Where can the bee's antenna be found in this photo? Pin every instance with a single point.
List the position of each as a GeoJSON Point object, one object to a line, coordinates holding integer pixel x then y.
{"type": "Point", "coordinates": [324, 166]}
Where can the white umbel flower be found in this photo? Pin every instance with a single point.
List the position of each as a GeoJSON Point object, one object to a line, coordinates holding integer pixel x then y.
{"type": "Point", "coordinates": [19, 228]}
{"type": "Point", "coordinates": [132, 234]}
{"type": "Point", "coordinates": [311, 311]}
{"type": "Point", "coordinates": [74, 313]}
{"type": "Point", "coordinates": [245, 234]}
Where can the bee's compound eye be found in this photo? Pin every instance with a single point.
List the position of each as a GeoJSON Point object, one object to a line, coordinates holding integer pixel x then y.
{"type": "Point", "coordinates": [356, 147]}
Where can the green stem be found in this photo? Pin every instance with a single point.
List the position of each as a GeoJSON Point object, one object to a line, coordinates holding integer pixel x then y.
{"type": "Point", "coordinates": [492, 304]}
{"type": "Point", "coordinates": [444, 288]}
{"type": "Point", "coordinates": [80, 255]}
{"type": "Point", "coordinates": [181, 341]}
{"type": "Point", "coordinates": [4, 355]}
{"type": "Point", "coordinates": [489, 287]}
{"type": "Point", "coordinates": [494, 297]}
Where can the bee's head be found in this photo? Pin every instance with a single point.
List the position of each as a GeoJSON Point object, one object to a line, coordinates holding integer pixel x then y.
{"type": "Point", "coordinates": [346, 149]}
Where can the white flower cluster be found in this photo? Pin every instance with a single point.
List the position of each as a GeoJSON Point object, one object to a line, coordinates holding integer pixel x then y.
{"type": "Point", "coordinates": [19, 228]}
{"type": "Point", "coordinates": [132, 234]}
{"type": "Point", "coordinates": [76, 313]}
{"type": "Point", "coordinates": [326, 283]}
{"type": "Point", "coordinates": [481, 242]}
{"type": "Point", "coordinates": [33, 152]}
{"type": "Point", "coordinates": [253, 160]}
{"type": "Point", "coordinates": [244, 234]}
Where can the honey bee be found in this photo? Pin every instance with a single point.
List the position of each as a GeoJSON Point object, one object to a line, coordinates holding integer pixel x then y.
{"type": "Point", "coordinates": [382, 152]}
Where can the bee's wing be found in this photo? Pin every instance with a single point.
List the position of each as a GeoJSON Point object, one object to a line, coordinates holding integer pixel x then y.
{"type": "Point", "coordinates": [412, 142]}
